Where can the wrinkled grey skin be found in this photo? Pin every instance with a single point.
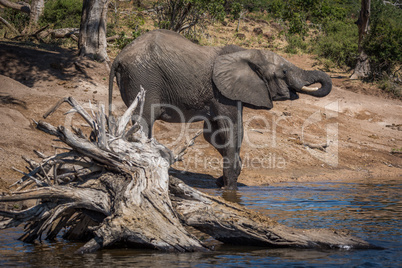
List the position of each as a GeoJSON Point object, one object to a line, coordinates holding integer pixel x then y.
{"type": "Point", "coordinates": [209, 82]}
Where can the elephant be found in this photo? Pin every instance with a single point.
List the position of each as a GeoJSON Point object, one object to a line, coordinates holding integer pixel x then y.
{"type": "Point", "coordinates": [210, 83]}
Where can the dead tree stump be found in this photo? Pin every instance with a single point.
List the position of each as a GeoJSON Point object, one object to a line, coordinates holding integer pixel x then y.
{"type": "Point", "coordinates": [113, 188]}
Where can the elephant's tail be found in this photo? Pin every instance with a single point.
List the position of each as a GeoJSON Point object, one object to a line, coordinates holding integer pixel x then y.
{"type": "Point", "coordinates": [111, 78]}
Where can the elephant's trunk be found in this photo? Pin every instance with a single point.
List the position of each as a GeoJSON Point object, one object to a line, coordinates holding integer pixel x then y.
{"type": "Point", "coordinates": [312, 77]}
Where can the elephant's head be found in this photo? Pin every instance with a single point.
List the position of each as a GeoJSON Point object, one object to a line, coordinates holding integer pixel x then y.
{"type": "Point", "coordinates": [259, 77]}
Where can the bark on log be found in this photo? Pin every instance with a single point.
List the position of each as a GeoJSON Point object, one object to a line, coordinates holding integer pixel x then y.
{"type": "Point", "coordinates": [115, 188]}
{"type": "Point", "coordinates": [24, 7]}
{"type": "Point", "coordinates": [112, 38]}
{"type": "Point", "coordinates": [92, 39]}
{"type": "Point", "coordinates": [36, 11]}
{"type": "Point", "coordinates": [60, 33]}
{"type": "Point", "coordinates": [233, 224]}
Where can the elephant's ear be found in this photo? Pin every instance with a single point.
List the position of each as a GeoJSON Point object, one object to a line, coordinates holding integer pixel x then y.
{"type": "Point", "coordinates": [237, 77]}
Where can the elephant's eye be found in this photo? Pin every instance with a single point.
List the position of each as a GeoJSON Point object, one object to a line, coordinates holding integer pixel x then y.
{"type": "Point", "coordinates": [284, 72]}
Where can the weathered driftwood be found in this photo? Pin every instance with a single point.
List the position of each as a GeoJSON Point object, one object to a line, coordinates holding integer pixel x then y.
{"type": "Point", "coordinates": [234, 224]}
{"type": "Point", "coordinates": [114, 187]}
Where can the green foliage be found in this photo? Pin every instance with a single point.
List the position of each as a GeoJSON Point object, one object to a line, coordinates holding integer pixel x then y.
{"type": "Point", "coordinates": [297, 24]}
{"type": "Point", "coordinates": [339, 43]}
{"type": "Point", "coordinates": [235, 10]}
{"type": "Point", "coordinates": [215, 9]}
{"type": "Point", "coordinates": [135, 21]}
{"type": "Point", "coordinates": [17, 18]}
{"type": "Point", "coordinates": [187, 15]}
{"type": "Point", "coordinates": [389, 85]}
{"type": "Point", "coordinates": [62, 13]}
{"type": "Point", "coordinates": [383, 44]}
{"type": "Point", "coordinates": [125, 39]}
{"type": "Point", "coordinates": [277, 8]}
{"type": "Point", "coordinates": [295, 43]}
{"type": "Point", "coordinates": [236, 6]}
{"type": "Point", "coordinates": [335, 36]}
{"type": "Point", "coordinates": [177, 14]}
{"type": "Point", "coordinates": [298, 12]}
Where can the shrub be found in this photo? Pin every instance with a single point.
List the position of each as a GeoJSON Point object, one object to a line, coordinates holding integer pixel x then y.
{"type": "Point", "coordinates": [297, 24]}
{"type": "Point", "coordinates": [390, 86]}
{"type": "Point", "coordinates": [295, 43]}
{"type": "Point", "coordinates": [178, 15]}
{"type": "Point", "coordinates": [339, 43]}
{"type": "Point", "coordinates": [17, 18]}
{"type": "Point", "coordinates": [62, 13]}
{"type": "Point", "coordinates": [383, 42]}
{"type": "Point", "coordinates": [235, 10]}
{"type": "Point", "coordinates": [125, 39]}
{"type": "Point", "coordinates": [250, 5]}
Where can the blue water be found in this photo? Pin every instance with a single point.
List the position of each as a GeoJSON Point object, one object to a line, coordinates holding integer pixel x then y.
{"type": "Point", "coordinates": [372, 210]}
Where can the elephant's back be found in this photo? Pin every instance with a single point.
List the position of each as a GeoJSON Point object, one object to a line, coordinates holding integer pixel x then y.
{"type": "Point", "coordinates": [165, 59]}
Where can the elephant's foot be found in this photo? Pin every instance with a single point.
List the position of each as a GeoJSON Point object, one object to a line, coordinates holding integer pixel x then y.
{"type": "Point", "coordinates": [220, 182]}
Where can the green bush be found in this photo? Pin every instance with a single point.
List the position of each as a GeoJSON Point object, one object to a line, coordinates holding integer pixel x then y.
{"type": "Point", "coordinates": [297, 24]}
{"type": "Point", "coordinates": [339, 43]}
{"type": "Point", "coordinates": [277, 8]}
{"type": "Point", "coordinates": [17, 18]}
{"type": "Point", "coordinates": [383, 44]}
{"type": "Point", "coordinates": [390, 86]}
{"type": "Point", "coordinates": [250, 5]}
{"type": "Point", "coordinates": [62, 13]}
{"type": "Point", "coordinates": [124, 39]}
{"type": "Point", "coordinates": [235, 10]}
{"type": "Point", "coordinates": [187, 16]}
{"type": "Point", "coordinates": [295, 43]}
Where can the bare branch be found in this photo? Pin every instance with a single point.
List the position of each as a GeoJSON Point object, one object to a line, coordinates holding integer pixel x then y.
{"type": "Point", "coordinates": [183, 151]}
{"type": "Point", "coordinates": [38, 182]}
{"type": "Point", "coordinates": [10, 26]}
{"type": "Point", "coordinates": [84, 147]}
{"type": "Point", "coordinates": [91, 199]}
{"type": "Point", "coordinates": [122, 123]}
{"type": "Point", "coordinates": [395, 4]}
{"type": "Point", "coordinates": [76, 106]}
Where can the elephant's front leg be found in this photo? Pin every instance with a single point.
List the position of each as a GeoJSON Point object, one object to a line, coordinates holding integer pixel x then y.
{"type": "Point", "coordinates": [231, 168]}
{"type": "Point", "coordinates": [225, 133]}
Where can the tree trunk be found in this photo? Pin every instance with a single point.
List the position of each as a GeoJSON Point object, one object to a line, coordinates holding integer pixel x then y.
{"type": "Point", "coordinates": [362, 68]}
{"type": "Point", "coordinates": [113, 188]}
{"type": "Point", "coordinates": [37, 8]}
{"type": "Point", "coordinates": [92, 39]}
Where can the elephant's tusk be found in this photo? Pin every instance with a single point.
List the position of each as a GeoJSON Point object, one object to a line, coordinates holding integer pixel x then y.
{"type": "Point", "coordinates": [309, 89]}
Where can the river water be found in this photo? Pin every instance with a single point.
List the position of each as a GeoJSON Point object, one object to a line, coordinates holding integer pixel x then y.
{"type": "Point", "coordinates": [372, 210]}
